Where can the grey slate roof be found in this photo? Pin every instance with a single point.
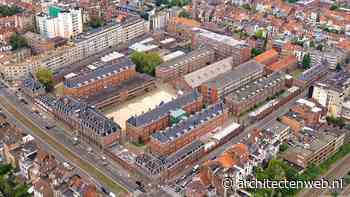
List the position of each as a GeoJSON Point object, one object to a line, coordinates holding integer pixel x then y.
{"type": "Point", "coordinates": [187, 125]}
{"type": "Point", "coordinates": [163, 109]}
{"type": "Point", "coordinates": [101, 72]}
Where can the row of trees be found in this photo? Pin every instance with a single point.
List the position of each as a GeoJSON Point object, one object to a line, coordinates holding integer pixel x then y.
{"type": "Point", "coordinates": [8, 184]}
{"type": "Point", "coordinates": [172, 3]}
{"type": "Point", "coordinates": [9, 10]}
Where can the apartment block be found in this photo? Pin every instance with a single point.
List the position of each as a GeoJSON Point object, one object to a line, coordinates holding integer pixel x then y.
{"type": "Point", "coordinates": [65, 23]}
{"type": "Point", "coordinates": [312, 147]}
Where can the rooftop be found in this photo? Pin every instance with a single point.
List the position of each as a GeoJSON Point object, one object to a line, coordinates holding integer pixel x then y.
{"type": "Point", "coordinates": [254, 88]}
{"type": "Point", "coordinates": [237, 74]}
{"type": "Point", "coordinates": [163, 109]}
{"type": "Point", "coordinates": [184, 152]}
{"type": "Point", "coordinates": [188, 58]}
{"type": "Point", "coordinates": [266, 56]}
{"type": "Point", "coordinates": [188, 124]}
{"type": "Point", "coordinates": [207, 73]}
{"type": "Point", "coordinates": [337, 81]}
{"type": "Point", "coordinates": [218, 37]}
{"type": "Point", "coordinates": [107, 69]}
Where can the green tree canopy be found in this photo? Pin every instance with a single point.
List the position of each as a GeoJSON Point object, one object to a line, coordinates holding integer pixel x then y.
{"type": "Point", "coordinates": [306, 61]}
{"type": "Point", "coordinates": [17, 41]}
{"type": "Point", "coordinates": [96, 22]}
{"type": "Point", "coordinates": [9, 10]}
{"type": "Point", "coordinates": [146, 62]}
{"type": "Point", "coordinates": [45, 76]}
{"type": "Point", "coordinates": [184, 14]}
{"type": "Point", "coordinates": [255, 52]}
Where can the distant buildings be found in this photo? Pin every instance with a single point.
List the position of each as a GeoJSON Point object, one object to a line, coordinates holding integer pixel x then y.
{"type": "Point", "coordinates": [81, 47]}
{"type": "Point", "coordinates": [61, 22]}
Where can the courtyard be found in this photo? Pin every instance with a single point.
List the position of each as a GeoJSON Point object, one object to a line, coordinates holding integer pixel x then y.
{"type": "Point", "coordinates": [136, 106]}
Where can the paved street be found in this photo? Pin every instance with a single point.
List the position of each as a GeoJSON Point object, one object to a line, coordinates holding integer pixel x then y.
{"type": "Point", "coordinates": [79, 153]}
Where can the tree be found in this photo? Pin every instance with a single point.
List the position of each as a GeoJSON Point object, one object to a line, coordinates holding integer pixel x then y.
{"type": "Point", "coordinates": [96, 22]}
{"type": "Point", "coordinates": [283, 147]}
{"type": "Point", "coordinates": [146, 62]}
{"type": "Point", "coordinates": [255, 52]}
{"type": "Point", "coordinates": [9, 10]}
{"type": "Point", "coordinates": [306, 61]}
{"type": "Point", "coordinates": [17, 41]}
{"type": "Point", "coordinates": [338, 67]}
{"type": "Point", "coordinates": [334, 7]}
{"type": "Point", "coordinates": [45, 77]}
{"type": "Point", "coordinates": [184, 14]}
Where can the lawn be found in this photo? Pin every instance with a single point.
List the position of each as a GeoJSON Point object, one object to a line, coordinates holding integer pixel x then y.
{"type": "Point", "coordinates": [115, 187]}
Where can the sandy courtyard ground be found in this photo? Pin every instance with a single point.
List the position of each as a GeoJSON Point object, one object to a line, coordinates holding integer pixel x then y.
{"type": "Point", "coordinates": [121, 113]}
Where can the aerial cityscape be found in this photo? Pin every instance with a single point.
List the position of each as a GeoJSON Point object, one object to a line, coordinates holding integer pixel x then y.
{"type": "Point", "coordinates": [174, 98]}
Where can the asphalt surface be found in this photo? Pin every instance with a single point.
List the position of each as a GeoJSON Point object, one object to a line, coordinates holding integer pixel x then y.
{"type": "Point", "coordinates": [80, 151]}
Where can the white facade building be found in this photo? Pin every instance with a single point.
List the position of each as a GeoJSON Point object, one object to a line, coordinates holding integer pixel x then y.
{"type": "Point", "coordinates": [68, 23]}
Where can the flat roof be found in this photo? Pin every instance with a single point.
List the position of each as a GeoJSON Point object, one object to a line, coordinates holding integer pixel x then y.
{"type": "Point", "coordinates": [218, 37]}
{"type": "Point", "coordinates": [238, 73]}
{"type": "Point", "coordinates": [209, 72]}
{"type": "Point", "coordinates": [173, 55]}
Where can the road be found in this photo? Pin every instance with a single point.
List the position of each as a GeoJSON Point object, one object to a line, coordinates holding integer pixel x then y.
{"type": "Point", "coordinates": [65, 149]}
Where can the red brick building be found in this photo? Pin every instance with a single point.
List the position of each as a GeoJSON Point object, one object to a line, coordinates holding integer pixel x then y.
{"type": "Point", "coordinates": [286, 64]}
{"type": "Point", "coordinates": [254, 93]}
{"type": "Point", "coordinates": [140, 128]}
{"type": "Point", "coordinates": [99, 78]}
{"type": "Point", "coordinates": [189, 129]}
